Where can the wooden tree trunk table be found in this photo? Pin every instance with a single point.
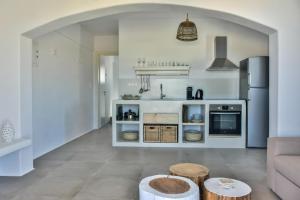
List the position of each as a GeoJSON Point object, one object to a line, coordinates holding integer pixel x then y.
{"type": "Point", "coordinates": [213, 190]}
{"type": "Point", "coordinates": [165, 187]}
{"type": "Point", "coordinates": [197, 173]}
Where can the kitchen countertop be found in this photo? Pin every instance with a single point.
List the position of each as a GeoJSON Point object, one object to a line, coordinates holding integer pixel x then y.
{"type": "Point", "coordinates": [185, 100]}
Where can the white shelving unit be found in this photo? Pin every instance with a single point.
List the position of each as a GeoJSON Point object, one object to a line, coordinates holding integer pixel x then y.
{"type": "Point", "coordinates": [7, 148]}
{"type": "Point", "coordinates": [163, 70]}
{"type": "Point", "coordinates": [173, 106]}
{"type": "Point", "coordinates": [16, 157]}
{"type": "Point", "coordinates": [193, 124]}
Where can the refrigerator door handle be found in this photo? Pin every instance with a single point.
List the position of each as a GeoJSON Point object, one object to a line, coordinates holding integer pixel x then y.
{"type": "Point", "coordinates": [249, 79]}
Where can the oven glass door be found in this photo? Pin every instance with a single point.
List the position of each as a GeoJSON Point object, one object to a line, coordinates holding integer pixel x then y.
{"type": "Point", "coordinates": [225, 123]}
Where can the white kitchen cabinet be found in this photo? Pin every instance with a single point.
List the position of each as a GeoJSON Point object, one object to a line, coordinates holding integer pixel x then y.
{"type": "Point", "coordinates": [171, 108]}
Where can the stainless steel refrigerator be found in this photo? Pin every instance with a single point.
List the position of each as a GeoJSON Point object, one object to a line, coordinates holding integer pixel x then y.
{"type": "Point", "coordinates": [254, 88]}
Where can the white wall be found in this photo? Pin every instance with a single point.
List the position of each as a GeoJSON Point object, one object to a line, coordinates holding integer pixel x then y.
{"type": "Point", "coordinates": [62, 88]}
{"type": "Point", "coordinates": [155, 39]}
{"type": "Point", "coordinates": [106, 44]}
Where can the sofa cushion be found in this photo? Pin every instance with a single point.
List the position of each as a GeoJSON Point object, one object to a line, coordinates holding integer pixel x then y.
{"type": "Point", "coordinates": [288, 166]}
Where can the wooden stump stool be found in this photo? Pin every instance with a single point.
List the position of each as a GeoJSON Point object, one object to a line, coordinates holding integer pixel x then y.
{"type": "Point", "coordinates": [197, 173]}
{"type": "Point", "coordinates": [165, 187]}
{"type": "Point", "coordinates": [213, 190]}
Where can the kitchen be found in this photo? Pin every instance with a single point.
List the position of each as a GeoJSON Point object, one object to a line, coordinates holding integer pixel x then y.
{"type": "Point", "coordinates": [152, 59]}
{"type": "Point", "coordinates": [56, 82]}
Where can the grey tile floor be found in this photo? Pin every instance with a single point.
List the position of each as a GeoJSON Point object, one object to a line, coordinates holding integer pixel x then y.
{"type": "Point", "coordinates": [89, 168]}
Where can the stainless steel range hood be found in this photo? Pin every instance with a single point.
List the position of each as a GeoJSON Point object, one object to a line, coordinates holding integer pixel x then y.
{"type": "Point", "coordinates": [221, 63]}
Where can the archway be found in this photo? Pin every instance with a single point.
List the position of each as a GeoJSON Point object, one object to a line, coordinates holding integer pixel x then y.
{"type": "Point", "coordinates": [26, 115]}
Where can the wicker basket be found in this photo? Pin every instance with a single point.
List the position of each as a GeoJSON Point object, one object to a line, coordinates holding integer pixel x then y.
{"type": "Point", "coordinates": [168, 134]}
{"type": "Point", "coordinates": [151, 133]}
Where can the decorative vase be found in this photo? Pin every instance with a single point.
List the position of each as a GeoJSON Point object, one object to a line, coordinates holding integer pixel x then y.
{"type": "Point", "coordinates": [7, 132]}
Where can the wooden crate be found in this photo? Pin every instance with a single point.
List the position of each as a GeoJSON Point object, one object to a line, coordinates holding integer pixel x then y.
{"type": "Point", "coordinates": [161, 118]}
{"type": "Point", "coordinates": [151, 133]}
{"type": "Point", "coordinates": [168, 134]}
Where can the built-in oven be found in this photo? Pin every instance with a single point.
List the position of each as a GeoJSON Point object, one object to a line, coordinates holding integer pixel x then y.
{"type": "Point", "coordinates": [225, 119]}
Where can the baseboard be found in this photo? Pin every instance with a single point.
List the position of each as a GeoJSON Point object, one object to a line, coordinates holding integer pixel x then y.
{"type": "Point", "coordinates": [17, 174]}
{"type": "Point", "coordinates": [70, 140]}
{"type": "Point", "coordinates": [26, 172]}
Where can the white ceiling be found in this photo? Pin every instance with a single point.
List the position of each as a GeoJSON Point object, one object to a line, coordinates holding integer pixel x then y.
{"type": "Point", "coordinates": [109, 25]}
{"type": "Point", "coordinates": [103, 26]}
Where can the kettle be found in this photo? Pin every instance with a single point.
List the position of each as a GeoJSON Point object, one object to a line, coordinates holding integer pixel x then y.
{"type": "Point", "coordinates": [199, 94]}
{"type": "Point", "coordinates": [131, 115]}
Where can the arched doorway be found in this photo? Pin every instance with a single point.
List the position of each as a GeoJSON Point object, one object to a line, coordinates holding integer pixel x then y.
{"type": "Point", "coordinates": [26, 117]}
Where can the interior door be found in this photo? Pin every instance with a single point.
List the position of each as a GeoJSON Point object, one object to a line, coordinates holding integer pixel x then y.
{"type": "Point", "coordinates": [103, 91]}
{"type": "Point", "coordinates": [108, 87]}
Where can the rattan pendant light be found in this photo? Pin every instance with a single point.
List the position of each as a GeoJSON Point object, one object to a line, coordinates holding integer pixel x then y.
{"type": "Point", "coordinates": [187, 30]}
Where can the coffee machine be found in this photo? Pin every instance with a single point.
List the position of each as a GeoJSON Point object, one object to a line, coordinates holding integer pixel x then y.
{"type": "Point", "coordinates": [189, 93]}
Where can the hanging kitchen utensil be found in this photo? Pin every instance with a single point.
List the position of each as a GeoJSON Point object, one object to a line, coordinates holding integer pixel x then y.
{"type": "Point", "coordinates": [147, 83]}
{"type": "Point", "coordinates": [141, 90]}
{"type": "Point", "coordinates": [144, 82]}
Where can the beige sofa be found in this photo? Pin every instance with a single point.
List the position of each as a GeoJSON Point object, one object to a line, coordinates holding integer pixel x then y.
{"type": "Point", "coordinates": [283, 167]}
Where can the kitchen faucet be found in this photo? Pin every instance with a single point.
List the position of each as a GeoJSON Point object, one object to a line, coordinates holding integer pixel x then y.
{"type": "Point", "coordinates": [161, 92]}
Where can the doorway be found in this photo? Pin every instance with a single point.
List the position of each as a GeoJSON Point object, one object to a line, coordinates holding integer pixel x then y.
{"type": "Point", "coordinates": [108, 68]}
{"type": "Point", "coordinates": [26, 48]}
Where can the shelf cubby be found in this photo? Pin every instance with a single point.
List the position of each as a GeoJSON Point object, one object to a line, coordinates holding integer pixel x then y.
{"type": "Point", "coordinates": [122, 109]}
{"type": "Point", "coordinates": [120, 127]}
{"type": "Point", "coordinates": [193, 127]}
{"type": "Point", "coordinates": [193, 114]}
{"type": "Point", "coordinates": [193, 118]}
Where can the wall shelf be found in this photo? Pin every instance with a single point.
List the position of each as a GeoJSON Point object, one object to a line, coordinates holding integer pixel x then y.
{"type": "Point", "coordinates": [7, 148]}
{"type": "Point", "coordinates": [193, 124]}
{"type": "Point", "coordinates": [195, 142]}
{"type": "Point", "coordinates": [128, 122]}
{"type": "Point", "coordinates": [163, 70]}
